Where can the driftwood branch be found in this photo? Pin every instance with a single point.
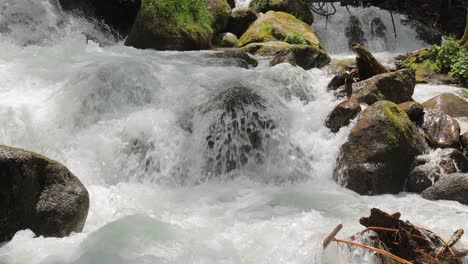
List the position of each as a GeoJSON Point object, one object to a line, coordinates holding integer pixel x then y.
{"type": "Point", "coordinates": [456, 236]}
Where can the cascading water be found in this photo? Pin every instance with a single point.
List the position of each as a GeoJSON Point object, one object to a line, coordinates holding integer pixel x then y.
{"type": "Point", "coordinates": [135, 126]}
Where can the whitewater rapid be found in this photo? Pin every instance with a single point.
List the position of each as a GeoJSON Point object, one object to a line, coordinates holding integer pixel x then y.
{"type": "Point", "coordinates": [114, 116]}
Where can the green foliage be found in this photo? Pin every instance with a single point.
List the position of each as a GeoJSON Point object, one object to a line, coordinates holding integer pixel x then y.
{"type": "Point", "coordinates": [295, 38]}
{"type": "Point", "coordinates": [187, 14]}
{"type": "Point", "coordinates": [459, 68]}
{"type": "Point", "coordinates": [447, 54]}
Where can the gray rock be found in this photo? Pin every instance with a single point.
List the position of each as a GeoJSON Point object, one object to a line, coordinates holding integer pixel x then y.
{"type": "Point", "coordinates": [451, 187]}
{"type": "Point", "coordinates": [452, 161]}
{"type": "Point", "coordinates": [342, 114]}
{"type": "Point", "coordinates": [423, 177]}
{"type": "Point", "coordinates": [240, 20]}
{"type": "Point", "coordinates": [39, 194]}
{"type": "Point", "coordinates": [237, 58]}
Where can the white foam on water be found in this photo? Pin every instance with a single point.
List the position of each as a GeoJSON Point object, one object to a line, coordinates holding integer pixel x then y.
{"type": "Point", "coordinates": [113, 116]}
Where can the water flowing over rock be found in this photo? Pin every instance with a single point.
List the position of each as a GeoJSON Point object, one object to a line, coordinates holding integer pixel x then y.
{"type": "Point", "coordinates": [240, 20]}
{"type": "Point", "coordinates": [342, 114]}
{"type": "Point", "coordinates": [377, 157]}
{"type": "Point", "coordinates": [354, 32]}
{"type": "Point", "coordinates": [423, 177]}
{"type": "Point", "coordinates": [441, 130]}
{"type": "Point", "coordinates": [119, 14]}
{"type": "Point", "coordinates": [396, 86]}
{"type": "Point", "coordinates": [39, 194]}
{"type": "Point", "coordinates": [449, 104]}
{"type": "Point", "coordinates": [451, 187]}
{"type": "Point", "coordinates": [452, 160]}
{"type": "Point", "coordinates": [237, 58]}
{"type": "Point", "coordinates": [294, 7]}
{"type": "Point", "coordinates": [241, 133]}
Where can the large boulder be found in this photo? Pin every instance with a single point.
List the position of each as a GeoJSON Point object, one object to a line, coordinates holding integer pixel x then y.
{"type": "Point", "coordinates": [296, 8]}
{"type": "Point", "coordinates": [39, 194]}
{"type": "Point", "coordinates": [423, 177]}
{"type": "Point", "coordinates": [240, 20]}
{"type": "Point", "coordinates": [119, 14]}
{"type": "Point", "coordinates": [397, 87]}
{"type": "Point", "coordinates": [379, 152]}
{"type": "Point", "coordinates": [241, 129]}
{"type": "Point", "coordinates": [449, 104]}
{"type": "Point", "coordinates": [342, 114]}
{"type": "Point", "coordinates": [220, 11]}
{"type": "Point", "coordinates": [451, 187]}
{"type": "Point", "coordinates": [279, 26]}
{"type": "Point", "coordinates": [441, 130]}
{"type": "Point", "coordinates": [174, 26]}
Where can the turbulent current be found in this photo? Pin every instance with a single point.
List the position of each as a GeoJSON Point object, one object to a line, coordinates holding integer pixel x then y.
{"type": "Point", "coordinates": [128, 123]}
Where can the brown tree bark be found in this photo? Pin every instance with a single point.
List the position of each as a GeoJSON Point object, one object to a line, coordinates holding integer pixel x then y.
{"type": "Point", "coordinates": [464, 40]}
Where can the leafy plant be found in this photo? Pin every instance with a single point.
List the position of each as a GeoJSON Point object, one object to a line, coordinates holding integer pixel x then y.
{"type": "Point", "coordinates": [295, 38]}
{"type": "Point", "coordinates": [447, 54]}
{"type": "Point", "coordinates": [459, 69]}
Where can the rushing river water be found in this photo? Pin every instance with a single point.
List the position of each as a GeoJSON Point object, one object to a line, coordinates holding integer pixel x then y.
{"type": "Point", "coordinates": [113, 116]}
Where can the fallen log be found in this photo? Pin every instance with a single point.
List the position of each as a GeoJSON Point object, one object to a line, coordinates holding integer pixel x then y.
{"type": "Point", "coordinates": [402, 241]}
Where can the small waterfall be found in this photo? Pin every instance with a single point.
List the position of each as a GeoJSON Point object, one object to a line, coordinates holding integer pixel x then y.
{"type": "Point", "coordinates": [371, 25]}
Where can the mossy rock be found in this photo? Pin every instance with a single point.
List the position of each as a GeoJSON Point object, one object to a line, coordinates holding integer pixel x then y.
{"type": "Point", "coordinates": [294, 7]}
{"type": "Point", "coordinates": [279, 26]}
{"type": "Point", "coordinates": [220, 11]}
{"type": "Point", "coordinates": [425, 68]}
{"type": "Point", "coordinates": [377, 157]}
{"type": "Point", "coordinates": [305, 56]}
{"type": "Point", "coordinates": [172, 25]}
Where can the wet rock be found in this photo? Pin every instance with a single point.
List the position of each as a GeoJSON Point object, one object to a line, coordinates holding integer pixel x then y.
{"type": "Point", "coordinates": [377, 157]}
{"type": "Point", "coordinates": [152, 31]}
{"type": "Point", "coordinates": [240, 20]}
{"type": "Point", "coordinates": [342, 114]}
{"type": "Point", "coordinates": [237, 58]}
{"type": "Point", "coordinates": [220, 11]}
{"type": "Point", "coordinates": [464, 142]}
{"type": "Point", "coordinates": [336, 82]}
{"type": "Point", "coordinates": [304, 56]}
{"type": "Point", "coordinates": [451, 187]}
{"type": "Point", "coordinates": [294, 7]}
{"type": "Point", "coordinates": [414, 110]}
{"type": "Point", "coordinates": [243, 131]}
{"type": "Point", "coordinates": [423, 177]}
{"type": "Point", "coordinates": [39, 194]}
{"type": "Point", "coordinates": [278, 26]}
{"type": "Point", "coordinates": [227, 40]}
{"type": "Point", "coordinates": [353, 32]}
{"type": "Point", "coordinates": [452, 161]}
{"type": "Point", "coordinates": [301, 55]}
{"type": "Point", "coordinates": [441, 130]}
{"type": "Point", "coordinates": [396, 86]}
{"type": "Point", "coordinates": [449, 104]}
{"type": "Point", "coordinates": [119, 14]}
{"type": "Point", "coordinates": [378, 29]}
